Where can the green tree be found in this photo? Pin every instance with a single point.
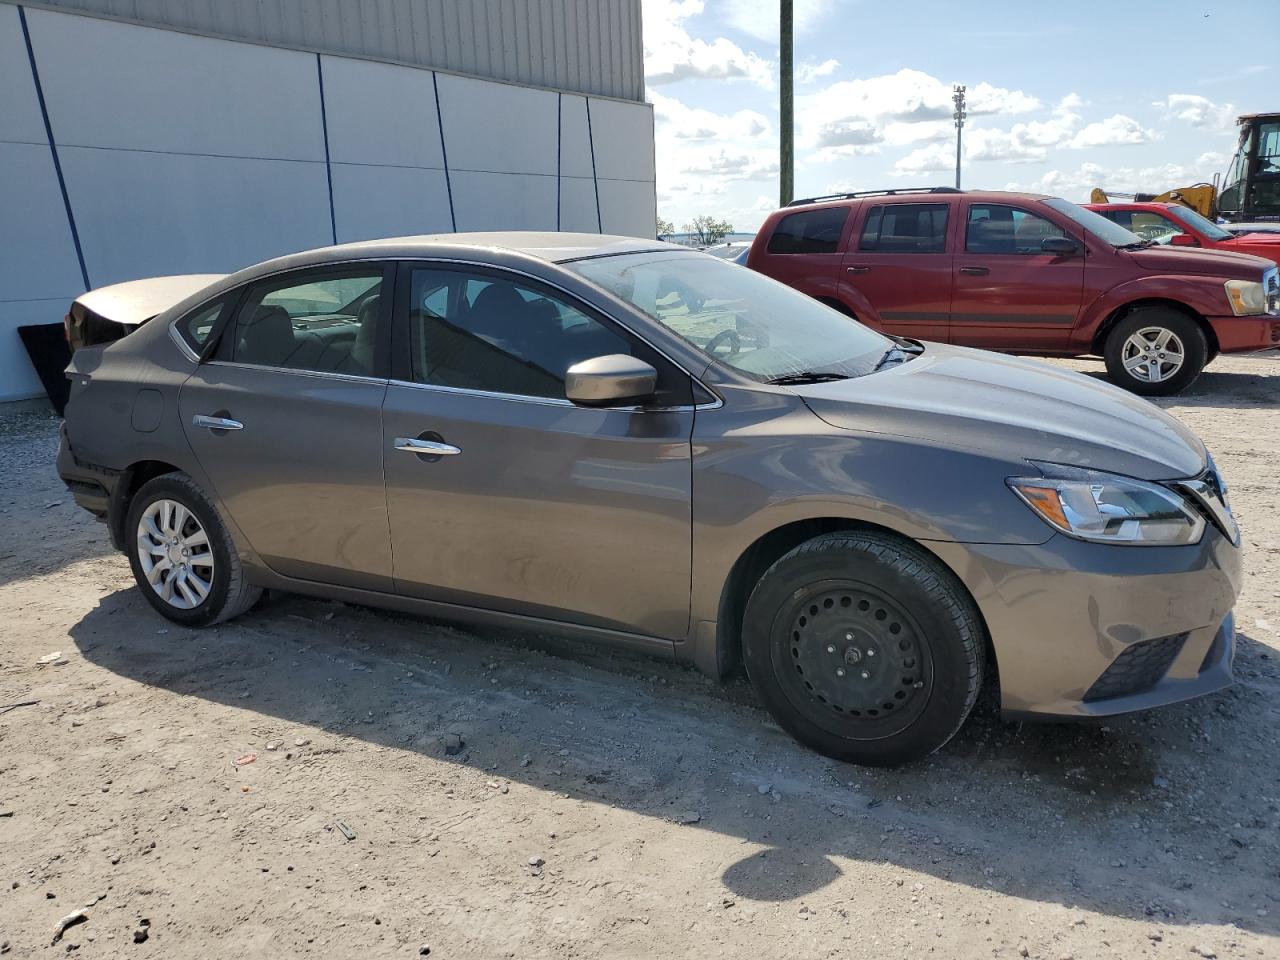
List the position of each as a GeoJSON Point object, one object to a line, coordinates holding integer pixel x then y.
{"type": "Point", "coordinates": [665, 228]}
{"type": "Point", "coordinates": [707, 230]}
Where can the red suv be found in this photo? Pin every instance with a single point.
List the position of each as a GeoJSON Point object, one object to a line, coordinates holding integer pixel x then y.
{"type": "Point", "coordinates": [1179, 226]}
{"type": "Point", "coordinates": [1023, 273]}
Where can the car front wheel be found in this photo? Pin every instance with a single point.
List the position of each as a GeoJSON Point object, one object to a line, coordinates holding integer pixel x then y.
{"type": "Point", "coordinates": [1155, 351]}
{"type": "Point", "coordinates": [864, 647]}
{"type": "Point", "coordinates": [183, 559]}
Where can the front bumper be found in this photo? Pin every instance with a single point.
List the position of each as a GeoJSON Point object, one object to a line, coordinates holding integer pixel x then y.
{"type": "Point", "coordinates": [1246, 334]}
{"type": "Point", "coordinates": [1090, 630]}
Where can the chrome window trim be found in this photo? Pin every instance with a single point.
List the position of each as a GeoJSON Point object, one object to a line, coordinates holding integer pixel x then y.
{"type": "Point", "coordinates": [180, 340]}
{"type": "Point", "coordinates": [453, 261]}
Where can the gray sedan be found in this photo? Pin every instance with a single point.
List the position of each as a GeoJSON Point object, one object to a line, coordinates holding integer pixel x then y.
{"type": "Point", "coordinates": [647, 446]}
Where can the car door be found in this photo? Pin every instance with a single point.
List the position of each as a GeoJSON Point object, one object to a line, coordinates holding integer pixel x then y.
{"type": "Point", "coordinates": [898, 265]}
{"type": "Point", "coordinates": [1008, 293]}
{"type": "Point", "coordinates": [286, 422]}
{"type": "Point", "coordinates": [526, 503]}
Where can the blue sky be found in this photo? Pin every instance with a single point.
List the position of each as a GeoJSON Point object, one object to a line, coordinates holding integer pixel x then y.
{"type": "Point", "coordinates": [1062, 97]}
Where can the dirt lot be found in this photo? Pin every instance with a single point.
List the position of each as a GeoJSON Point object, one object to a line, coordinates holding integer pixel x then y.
{"type": "Point", "coordinates": [518, 797]}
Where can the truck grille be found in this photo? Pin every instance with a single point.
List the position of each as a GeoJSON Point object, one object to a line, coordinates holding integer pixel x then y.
{"type": "Point", "coordinates": [1139, 667]}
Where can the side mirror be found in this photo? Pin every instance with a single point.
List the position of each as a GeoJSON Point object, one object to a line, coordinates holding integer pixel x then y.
{"type": "Point", "coordinates": [1183, 240]}
{"type": "Point", "coordinates": [612, 379]}
{"type": "Point", "coordinates": [1059, 246]}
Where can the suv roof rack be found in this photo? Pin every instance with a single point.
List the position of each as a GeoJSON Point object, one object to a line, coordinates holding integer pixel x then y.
{"type": "Point", "coordinates": [873, 193]}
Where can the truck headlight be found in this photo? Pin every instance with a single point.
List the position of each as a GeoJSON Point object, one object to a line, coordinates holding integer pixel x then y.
{"type": "Point", "coordinates": [1246, 297]}
{"type": "Point", "coordinates": [1108, 508]}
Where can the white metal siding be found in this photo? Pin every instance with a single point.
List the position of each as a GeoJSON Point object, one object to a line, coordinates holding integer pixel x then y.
{"type": "Point", "coordinates": [588, 46]}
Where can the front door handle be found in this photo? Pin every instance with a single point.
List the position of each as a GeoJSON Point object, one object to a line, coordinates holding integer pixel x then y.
{"type": "Point", "coordinates": [974, 271]}
{"type": "Point", "coordinates": [430, 448]}
{"type": "Point", "coordinates": [216, 423]}
{"type": "Point", "coordinates": [858, 269]}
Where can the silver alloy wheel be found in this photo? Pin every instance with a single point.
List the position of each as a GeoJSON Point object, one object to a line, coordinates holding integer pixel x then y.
{"type": "Point", "coordinates": [174, 551]}
{"type": "Point", "coordinates": [1153, 354]}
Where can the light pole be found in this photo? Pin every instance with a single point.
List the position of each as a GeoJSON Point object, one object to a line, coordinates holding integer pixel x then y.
{"type": "Point", "coordinates": [957, 97]}
{"type": "Point", "coordinates": [786, 138]}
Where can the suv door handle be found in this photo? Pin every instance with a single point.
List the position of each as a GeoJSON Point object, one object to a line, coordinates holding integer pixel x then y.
{"type": "Point", "coordinates": [430, 448]}
{"type": "Point", "coordinates": [974, 271]}
{"type": "Point", "coordinates": [857, 269]}
{"type": "Point", "coordinates": [216, 423]}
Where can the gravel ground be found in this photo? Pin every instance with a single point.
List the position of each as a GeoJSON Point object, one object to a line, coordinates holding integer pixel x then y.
{"type": "Point", "coordinates": [487, 795]}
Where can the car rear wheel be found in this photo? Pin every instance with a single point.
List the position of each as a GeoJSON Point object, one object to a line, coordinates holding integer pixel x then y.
{"type": "Point", "coordinates": [864, 648]}
{"type": "Point", "coordinates": [183, 559]}
{"type": "Point", "coordinates": [1155, 351]}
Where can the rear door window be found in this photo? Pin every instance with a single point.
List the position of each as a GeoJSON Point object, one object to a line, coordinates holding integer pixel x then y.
{"type": "Point", "coordinates": [810, 231]}
{"type": "Point", "coordinates": [905, 228]}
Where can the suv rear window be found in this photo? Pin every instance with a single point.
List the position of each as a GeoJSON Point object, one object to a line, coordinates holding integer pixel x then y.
{"type": "Point", "coordinates": [813, 231]}
{"type": "Point", "coordinates": [905, 228]}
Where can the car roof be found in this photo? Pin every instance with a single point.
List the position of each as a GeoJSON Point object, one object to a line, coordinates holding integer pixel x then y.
{"type": "Point", "coordinates": [915, 195]}
{"type": "Point", "coordinates": [551, 246]}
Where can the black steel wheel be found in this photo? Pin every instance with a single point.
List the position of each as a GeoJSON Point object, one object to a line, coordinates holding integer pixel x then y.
{"type": "Point", "coordinates": [864, 647]}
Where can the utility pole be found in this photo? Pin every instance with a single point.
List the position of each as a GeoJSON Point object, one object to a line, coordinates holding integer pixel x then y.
{"type": "Point", "coordinates": [786, 159]}
{"type": "Point", "coordinates": [957, 97]}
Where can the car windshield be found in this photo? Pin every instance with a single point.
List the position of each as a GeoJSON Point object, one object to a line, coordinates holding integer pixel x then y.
{"type": "Point", "coordinates": [1198, 222]}
{"type": "Point", "coordinates": [1096, 224]}
{"type": "Point", "coordinates": [739, 317]}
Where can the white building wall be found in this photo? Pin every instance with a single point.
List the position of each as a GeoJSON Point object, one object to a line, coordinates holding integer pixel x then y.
{"type": "Point", "coordinates": [189, 154]}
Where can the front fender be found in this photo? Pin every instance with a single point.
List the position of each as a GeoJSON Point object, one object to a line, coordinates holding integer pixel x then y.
{"type": "Point", "coordinates": [1202, 295]}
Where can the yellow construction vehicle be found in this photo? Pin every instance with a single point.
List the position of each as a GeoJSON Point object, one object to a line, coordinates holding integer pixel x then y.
{"type": "Point", "coordinates": [1251, 188]}
{"type": "Point", "coordinates": [1200, 197]}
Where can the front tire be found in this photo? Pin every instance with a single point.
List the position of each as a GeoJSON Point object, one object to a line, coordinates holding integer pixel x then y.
{"type": "Point", "coordinates": [864, 648]}
{"type": "Point", "coordinates": [1155, 352]}
{"type": "Point", "coordinates": [182, 556]}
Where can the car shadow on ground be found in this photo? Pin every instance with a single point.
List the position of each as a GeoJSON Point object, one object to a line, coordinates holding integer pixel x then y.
{"type": "Point", "coordinates": [1226, 389]}
{"type": "Point", "coordinates": [1124, 818]}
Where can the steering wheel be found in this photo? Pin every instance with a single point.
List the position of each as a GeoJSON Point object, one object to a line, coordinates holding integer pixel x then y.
{"type": "Point", "coordinates": [724, 337]}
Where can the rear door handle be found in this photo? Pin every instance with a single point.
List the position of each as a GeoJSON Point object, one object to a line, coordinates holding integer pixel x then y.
{"type": "Point", "coordinates": [431, 448]}
{"type": "Point", "coordinates": [216, 423]}
{"type": "Point", "coordinates": [974, 271]}
{"type": "Point", "coordinates": [858, 269]}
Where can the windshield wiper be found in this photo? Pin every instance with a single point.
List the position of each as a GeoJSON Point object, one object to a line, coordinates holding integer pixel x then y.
{"type": "Point", "coordinates": [1135, 245]}
{"type": "Point", "coordinates": [806, 376]}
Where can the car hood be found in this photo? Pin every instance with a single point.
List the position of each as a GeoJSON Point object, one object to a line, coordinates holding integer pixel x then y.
{"type": "Point", "coordinates": [1015, 409]}
{"type": "Point", "coordinates": [1213, 263]}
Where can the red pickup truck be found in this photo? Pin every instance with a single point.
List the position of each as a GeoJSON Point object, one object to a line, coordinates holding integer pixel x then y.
{"type": "Point", "coordinates": [1179, 226]}
{"type": "Point", "coordinates": [1023, 273]}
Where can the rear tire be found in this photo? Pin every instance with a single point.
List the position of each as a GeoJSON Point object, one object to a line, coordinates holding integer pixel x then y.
{"type": "Point", "coordinates": [864, 648]}
{"type": "Point", "coordinates": [1155, 352]}
{"type": "Point", "coordinates": [183, 558]}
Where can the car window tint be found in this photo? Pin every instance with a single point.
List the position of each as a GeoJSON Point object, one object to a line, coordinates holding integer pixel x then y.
{"type": "Point", "coordinates": [325, 323]}
{"type": "Point", "coordinates": [498, 335]}
{"type": "Point", "coordinates": [196, 327]}
{"type": "Point", "coordinates": [995, 228]}
{"type": "Point", "coordinates": [813, 231]}
{"type": "Point", "coordinates": [905, 228]}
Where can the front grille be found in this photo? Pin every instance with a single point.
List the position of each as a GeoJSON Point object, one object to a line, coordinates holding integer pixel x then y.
{"type": "Point", "coordinates": [1139, 667]}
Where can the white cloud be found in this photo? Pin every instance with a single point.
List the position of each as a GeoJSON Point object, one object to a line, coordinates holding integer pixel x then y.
{"type": "Point", "coordinates": [1114, 130]}
{"type": "Point", "coordinates": [1076, 184]}
{"type": "Point", "coordinates": [809, 72]}
{"type": "Point", "coordinates": [672, 54]}
{"type": "Point", "coordinates": [759, 18]}
{"type": "Point", "coordinates": [850, 117]}
{"type": "Point", "coordinates": [934, 158]}
{"type": "Point", "coordinates": [1198, 111]}
{"type": "Point", "coordinates": [679, 121]}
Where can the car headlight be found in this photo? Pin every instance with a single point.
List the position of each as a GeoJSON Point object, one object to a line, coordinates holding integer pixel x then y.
{"type": "Point", "coordinates": [1246, 297]}
{"type": "Point", "coordinates": [1107, 508]}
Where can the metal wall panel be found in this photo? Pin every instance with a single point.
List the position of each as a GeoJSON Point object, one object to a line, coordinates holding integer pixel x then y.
{"type": "Point", "coordinates": [588, 46]}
